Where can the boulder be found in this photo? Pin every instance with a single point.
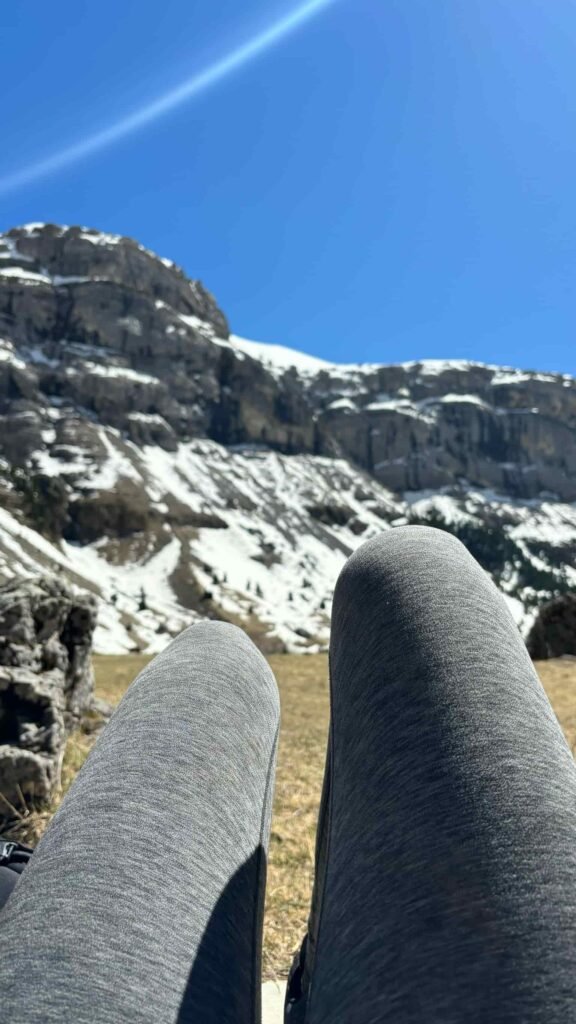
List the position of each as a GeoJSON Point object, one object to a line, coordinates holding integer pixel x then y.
{"type": "Point", "coordinates": [553, 634]}
{"type": "Point", "coordinates": [46, 684]}
{"type": "Point", "coordinates": [331, 513]}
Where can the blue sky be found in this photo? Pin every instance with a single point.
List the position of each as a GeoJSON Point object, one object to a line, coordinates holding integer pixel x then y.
{"type": "Point", "coordinates": [393, 180]}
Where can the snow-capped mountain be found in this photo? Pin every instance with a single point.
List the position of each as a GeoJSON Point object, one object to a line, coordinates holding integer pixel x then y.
{"type": "Point", "coordinates": [177, 470]}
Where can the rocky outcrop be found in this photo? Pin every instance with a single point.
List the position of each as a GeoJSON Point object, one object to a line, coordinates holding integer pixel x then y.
{"type": "Point", "coordinates": [59, 260]}
{"type": "Point", "coordinates": [97, 323]}
{"type": "Point", "coordinates": [46, 684]}
{"type": "Point", "coordinates": [553, 634]}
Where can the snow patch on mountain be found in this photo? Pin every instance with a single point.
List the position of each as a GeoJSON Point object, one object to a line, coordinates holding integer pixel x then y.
{"type": "Point", "coordinates": [279, 358]}
{"type": "Point", "coordinates": [277, 530]}
{"type": "Point", "coordinates": [270, 557]}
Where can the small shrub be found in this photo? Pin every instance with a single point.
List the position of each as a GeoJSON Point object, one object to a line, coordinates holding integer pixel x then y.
{"type": "Point", "coordinates": [44, 501]}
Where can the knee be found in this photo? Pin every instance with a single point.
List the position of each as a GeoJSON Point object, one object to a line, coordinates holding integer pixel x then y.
{"type": "Point", "coordinates": [217, 636]}
{"type": "Point", "coordinates": [219, 660]}
{"type": "Point", "coordinates": [210, 638]}
{"type": "Point", "coordinates": [405, 559]}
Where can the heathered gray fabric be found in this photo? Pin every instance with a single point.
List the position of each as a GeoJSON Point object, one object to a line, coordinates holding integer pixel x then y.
{"type": "Point", "coordinates": [446, 888]}
{"type": "Point", "coordinates": [8, 879]}
{"type": "Point", "coordinates": [143, 901]}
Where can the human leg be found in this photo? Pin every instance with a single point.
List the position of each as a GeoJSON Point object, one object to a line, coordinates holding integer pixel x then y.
{"type": "Point", "coordinates": [8, 880]}
{"type": "Point", "coordinates": [446, 881]}
{"type": "Point", "coordinates": [143, 900]}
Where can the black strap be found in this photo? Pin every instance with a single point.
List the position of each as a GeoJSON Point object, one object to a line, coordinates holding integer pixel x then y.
{"type": "Point", "coordinates": [14, 855]}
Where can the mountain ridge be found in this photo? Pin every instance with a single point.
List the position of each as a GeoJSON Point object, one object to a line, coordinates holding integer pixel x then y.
{"type": "Point", "coordinates": [130, 415]}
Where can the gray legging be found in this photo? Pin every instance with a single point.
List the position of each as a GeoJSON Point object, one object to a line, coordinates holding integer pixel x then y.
{"type": "Point", "coordinates": [446, 852]}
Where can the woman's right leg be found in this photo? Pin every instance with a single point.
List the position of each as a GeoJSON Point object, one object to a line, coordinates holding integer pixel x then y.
{"type": "Point", "coordinates": [446, 876]}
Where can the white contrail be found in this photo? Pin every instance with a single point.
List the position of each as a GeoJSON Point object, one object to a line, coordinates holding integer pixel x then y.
{"type": "Point", "coordinates": [186, 91]}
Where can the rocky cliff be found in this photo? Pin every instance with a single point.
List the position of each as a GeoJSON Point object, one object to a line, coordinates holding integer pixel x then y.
{"type": "Point", "coordinates": [135, 428]}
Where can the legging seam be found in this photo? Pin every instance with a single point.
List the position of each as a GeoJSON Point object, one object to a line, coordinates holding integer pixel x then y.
{"type": "Point", "coordinates": [261, 860]}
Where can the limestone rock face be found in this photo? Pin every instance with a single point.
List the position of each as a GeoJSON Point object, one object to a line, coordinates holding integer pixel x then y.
{"type": "Point", "coordinates": [426, 426]}
{"type": "Point", "coordinates": [46, 683]}
{"type": "Point", "coordinates": [94, 327]}
{"type": "Point", "coordinates": [97, 323]}
{"type": "Point", "coordinates": [66, 256]}
{"type": "Point", "coordinates": [553, 634]}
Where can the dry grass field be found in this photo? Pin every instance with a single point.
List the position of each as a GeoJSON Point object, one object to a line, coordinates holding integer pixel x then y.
{"type": "Point", "coordinates": [303, 683]}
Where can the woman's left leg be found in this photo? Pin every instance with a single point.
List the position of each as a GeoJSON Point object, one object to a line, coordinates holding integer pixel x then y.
{"type": "Point", "coordinates": [143, 901]}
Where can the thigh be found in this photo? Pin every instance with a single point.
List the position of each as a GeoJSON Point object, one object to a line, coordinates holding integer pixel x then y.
{"type": "Point", "coordinates": [8, 879]}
